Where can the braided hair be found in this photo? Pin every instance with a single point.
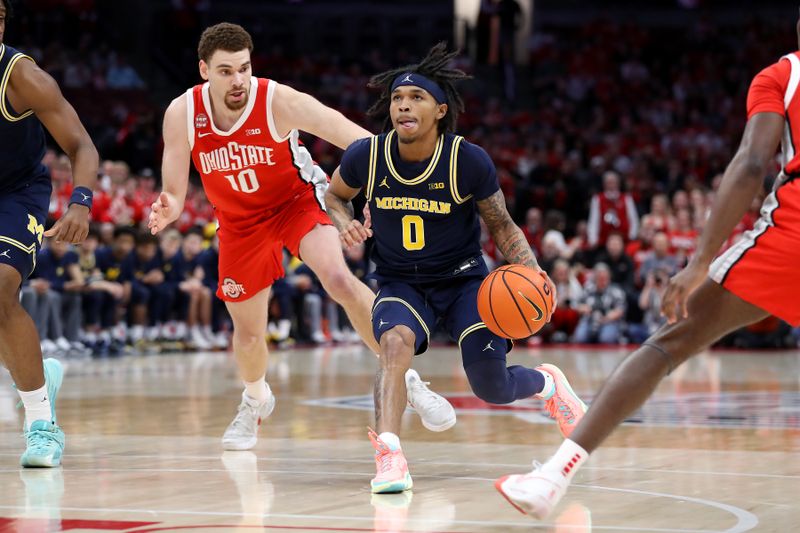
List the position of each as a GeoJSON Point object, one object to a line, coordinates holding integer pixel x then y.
{"type": "Point", "coordinates": [435, 67]}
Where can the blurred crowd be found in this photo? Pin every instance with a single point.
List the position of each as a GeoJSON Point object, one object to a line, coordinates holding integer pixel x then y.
{"type": "Point", "coordinates": [609, 151]}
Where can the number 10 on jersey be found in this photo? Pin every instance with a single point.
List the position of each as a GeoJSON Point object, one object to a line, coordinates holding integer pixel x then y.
{"type": "Point", "coordinates": [245, 181]}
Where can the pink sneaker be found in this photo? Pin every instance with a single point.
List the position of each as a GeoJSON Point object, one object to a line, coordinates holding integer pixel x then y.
{"type": "Point", "coordinates": [393, 475]}
{"type": "Point", "coordinates": [564, 405]}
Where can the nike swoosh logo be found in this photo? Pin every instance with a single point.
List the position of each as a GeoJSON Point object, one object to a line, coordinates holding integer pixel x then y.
{"type": "Point", "coordinates": [201, 135]}
{"type": "Point", "coordinates": [538, 310]}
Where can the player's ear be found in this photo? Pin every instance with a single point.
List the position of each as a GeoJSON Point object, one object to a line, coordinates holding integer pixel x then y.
{"type": "Point", "coordinates": [441, 112]}
{"type": "Point", "coordinates": [203, 70]}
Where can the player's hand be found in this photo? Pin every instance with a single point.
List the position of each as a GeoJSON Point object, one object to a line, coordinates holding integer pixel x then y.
{"type": "Point", "coordinates": [553, 294]}
{"type": "Point", "coordinates": [354, 233]}
{"type": "Point", "coordinates": [73, 227]}
{"type": "Point", "coordinates": [367, 216]}
{"type": "Point", "coordinates": [680, 287]}
{"type": "Point", "coordinates": [164, 212]}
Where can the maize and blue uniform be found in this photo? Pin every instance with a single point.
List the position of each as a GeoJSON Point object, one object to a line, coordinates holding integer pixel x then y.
{"type": "Point", "coordinates": [24, 181]}
{"type": "Point", "coordinates": [132, 270]}
{"type": "Point", "coordinates": [427, 252]}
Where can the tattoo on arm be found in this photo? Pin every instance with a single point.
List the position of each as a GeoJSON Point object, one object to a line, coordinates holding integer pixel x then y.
{"type": "Point", "coordinates": [509, 238]}
{"type": "Point", "coordinates": [341, 212]}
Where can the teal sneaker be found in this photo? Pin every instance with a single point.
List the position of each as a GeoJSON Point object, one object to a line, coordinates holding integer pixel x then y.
{"type": "Point", "coordinates": [45, 439]}
{"type": "Point", "coordinates": [53, 377]}
{"type": "Point", "coordinates": [45, 445]}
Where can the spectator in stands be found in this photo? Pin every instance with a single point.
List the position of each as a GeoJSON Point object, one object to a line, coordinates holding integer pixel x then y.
{"type": "Point", "coordinates": [659, 258]}
{"type": "Point", "coordinates": [142, 276]}
{"type": "Point", "coordinates": [100, 297]}
{"type": "Point", "coordinates": [621, 265]}
{"type": "Point", "coordinates": [53, 299]}
{"type": "Point", "coordinates": [650, 303]}
{"type": "Point", "coordinates": [602, 310]}
{"type": "Point", "coordinates": [611, 211]}
{"type": "Point", "coordinates": [570, 294]}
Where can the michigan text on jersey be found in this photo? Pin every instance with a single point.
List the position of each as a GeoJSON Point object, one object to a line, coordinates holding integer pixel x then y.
{"type": "Point", "coordinates": [413, 204]}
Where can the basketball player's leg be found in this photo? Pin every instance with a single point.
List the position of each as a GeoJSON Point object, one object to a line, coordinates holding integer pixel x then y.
{"type": "Point", "coordinates": [249, 335]}
{"type": "Point", "coordinates": [628, 387]}
{"type": "Point", "coordinates": [484, 358]}
{"type": "Point", "coordinates": [635, 379]}
{"type": "Point", "coordinates": [36, 381]}
{"type": "Point", "coordinates": [321, 250]}
{"type": "Point", "coordinates": [402, 322]}
{"type": "Point", "coordinates": [249, 262]}
{"type": "Point", "coordinates": [250, 351]}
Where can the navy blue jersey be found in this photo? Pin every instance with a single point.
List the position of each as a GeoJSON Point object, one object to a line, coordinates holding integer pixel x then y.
{"type": "Point", "coordinates": [54, 269]}
{"type": "Point", "coordinates": [22, 141]}
{"type": "Point", "coordinates": [424, 215]}
{"type": "Point", "coordinates": [209, 261]}
{"type": "Point", "coordinates": [133, 268]}
{"type": "Point", "coordinates": [109, 265]}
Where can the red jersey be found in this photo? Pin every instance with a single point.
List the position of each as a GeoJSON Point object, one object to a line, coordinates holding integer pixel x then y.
{"type": "Point", "coordinates": [774, 90]}
{"type": "Point", "coordinates": [249, 169]}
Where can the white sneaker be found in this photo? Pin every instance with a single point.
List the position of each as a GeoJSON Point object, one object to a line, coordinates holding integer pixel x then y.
{"type": "Point", "coordinates": [152, 333]}
{"type": "Point", "coordinates": [535, 493]}
{"type": "Point", "coordinates": [221, 340]}
{"type": "Point", "coordinates": [242, 433]}
{"type": "Point", "coordinates": [436, 413]}
{"type": "Point", "coordinates": [63, 345]}
{"type": "Point", "coordinates": [49, 348]}
{"type": "Point", "coordinates": [199, 340]}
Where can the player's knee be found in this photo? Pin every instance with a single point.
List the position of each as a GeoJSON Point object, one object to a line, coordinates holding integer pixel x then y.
{"type": "Point", "coordinates": [678, 341]}
{"type": "Point", "coordinates": [489, 381]}
{"type": "Point", "coordinates": [247, 339]}
{"type": "Point", "coordinates": [397, 348]}
{"type": "Point", "coordinates": [339, 283]}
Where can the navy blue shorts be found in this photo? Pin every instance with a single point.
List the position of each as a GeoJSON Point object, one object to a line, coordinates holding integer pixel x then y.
{"type": "Point", "coordinates": [22, 216]}
{"type": "Point", "coordinates": [452, 304]}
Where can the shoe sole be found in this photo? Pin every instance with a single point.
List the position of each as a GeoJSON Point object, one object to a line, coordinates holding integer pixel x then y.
{"type": "Point", "coordinates": [234, 446]}
{"type": "Point", "coordinates": [40, 462]}
{"type": "Point", "coordinates": [443, 427]}
{"type": "Point", "coordinates": [393, 486]}
{"type": "Point", "coordinates": [532, 512]}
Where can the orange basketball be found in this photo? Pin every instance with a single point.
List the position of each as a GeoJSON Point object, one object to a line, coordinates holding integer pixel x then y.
{"type": "Point", "coordinates": [515, 301]}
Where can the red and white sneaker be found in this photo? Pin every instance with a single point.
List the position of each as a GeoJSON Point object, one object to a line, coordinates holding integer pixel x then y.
{"type": "Point", "coordinates": [563, 405]}
{"type": "Point", "coordinates": [535, 493]}
{"type": "Point", "coordinates": [393, 474]}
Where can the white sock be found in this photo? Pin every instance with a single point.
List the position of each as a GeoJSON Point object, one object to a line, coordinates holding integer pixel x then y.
{"type": "Point", "coordinates": [37, 405]}
{"type": "Point", "coordinates": [569, 457]}
{"type": "Point", "coordinates": [391, 440]}
{"type": "Point", "coordinates": [257, 390]}
{"type": "Point", "coordinates": [549, 386]}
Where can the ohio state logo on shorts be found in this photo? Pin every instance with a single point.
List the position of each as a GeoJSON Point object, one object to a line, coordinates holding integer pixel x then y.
{"type": "Point", "coordinates": [231, 289]}
{"type": "Point", "coordinates": [200, 121]}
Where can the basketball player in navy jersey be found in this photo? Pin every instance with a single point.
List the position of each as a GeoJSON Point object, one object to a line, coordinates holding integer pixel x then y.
{"type": "Point", "coordinates": [30, 98]}
{"type": "Point", "coordinates": [425, 188]}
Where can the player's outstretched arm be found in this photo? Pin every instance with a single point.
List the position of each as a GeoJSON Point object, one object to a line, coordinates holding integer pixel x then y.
{"type": "Point", "coordinates": [742, 180]}
{"type": "Point", "coordinates": [293, 110]}
{"type": "Point", "coordinates": [174, 168]}
{"type": "Point", "coordinates": [33, 88]}
{"type": "Point", "coordinates": [337, 202]}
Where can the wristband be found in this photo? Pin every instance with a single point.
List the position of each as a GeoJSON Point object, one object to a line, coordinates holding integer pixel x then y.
{"type": "Point", "coordinates": [81, 196]}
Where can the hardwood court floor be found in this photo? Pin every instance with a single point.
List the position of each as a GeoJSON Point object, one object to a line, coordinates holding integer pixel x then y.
{"type": "Point", "coordinates": [718, 449]}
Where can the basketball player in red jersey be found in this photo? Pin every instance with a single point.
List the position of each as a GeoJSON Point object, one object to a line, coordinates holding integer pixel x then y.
{"type": "Point", "coordinates": [709, 298]}
{"type": "Point", "coordinates": [241, 132]}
